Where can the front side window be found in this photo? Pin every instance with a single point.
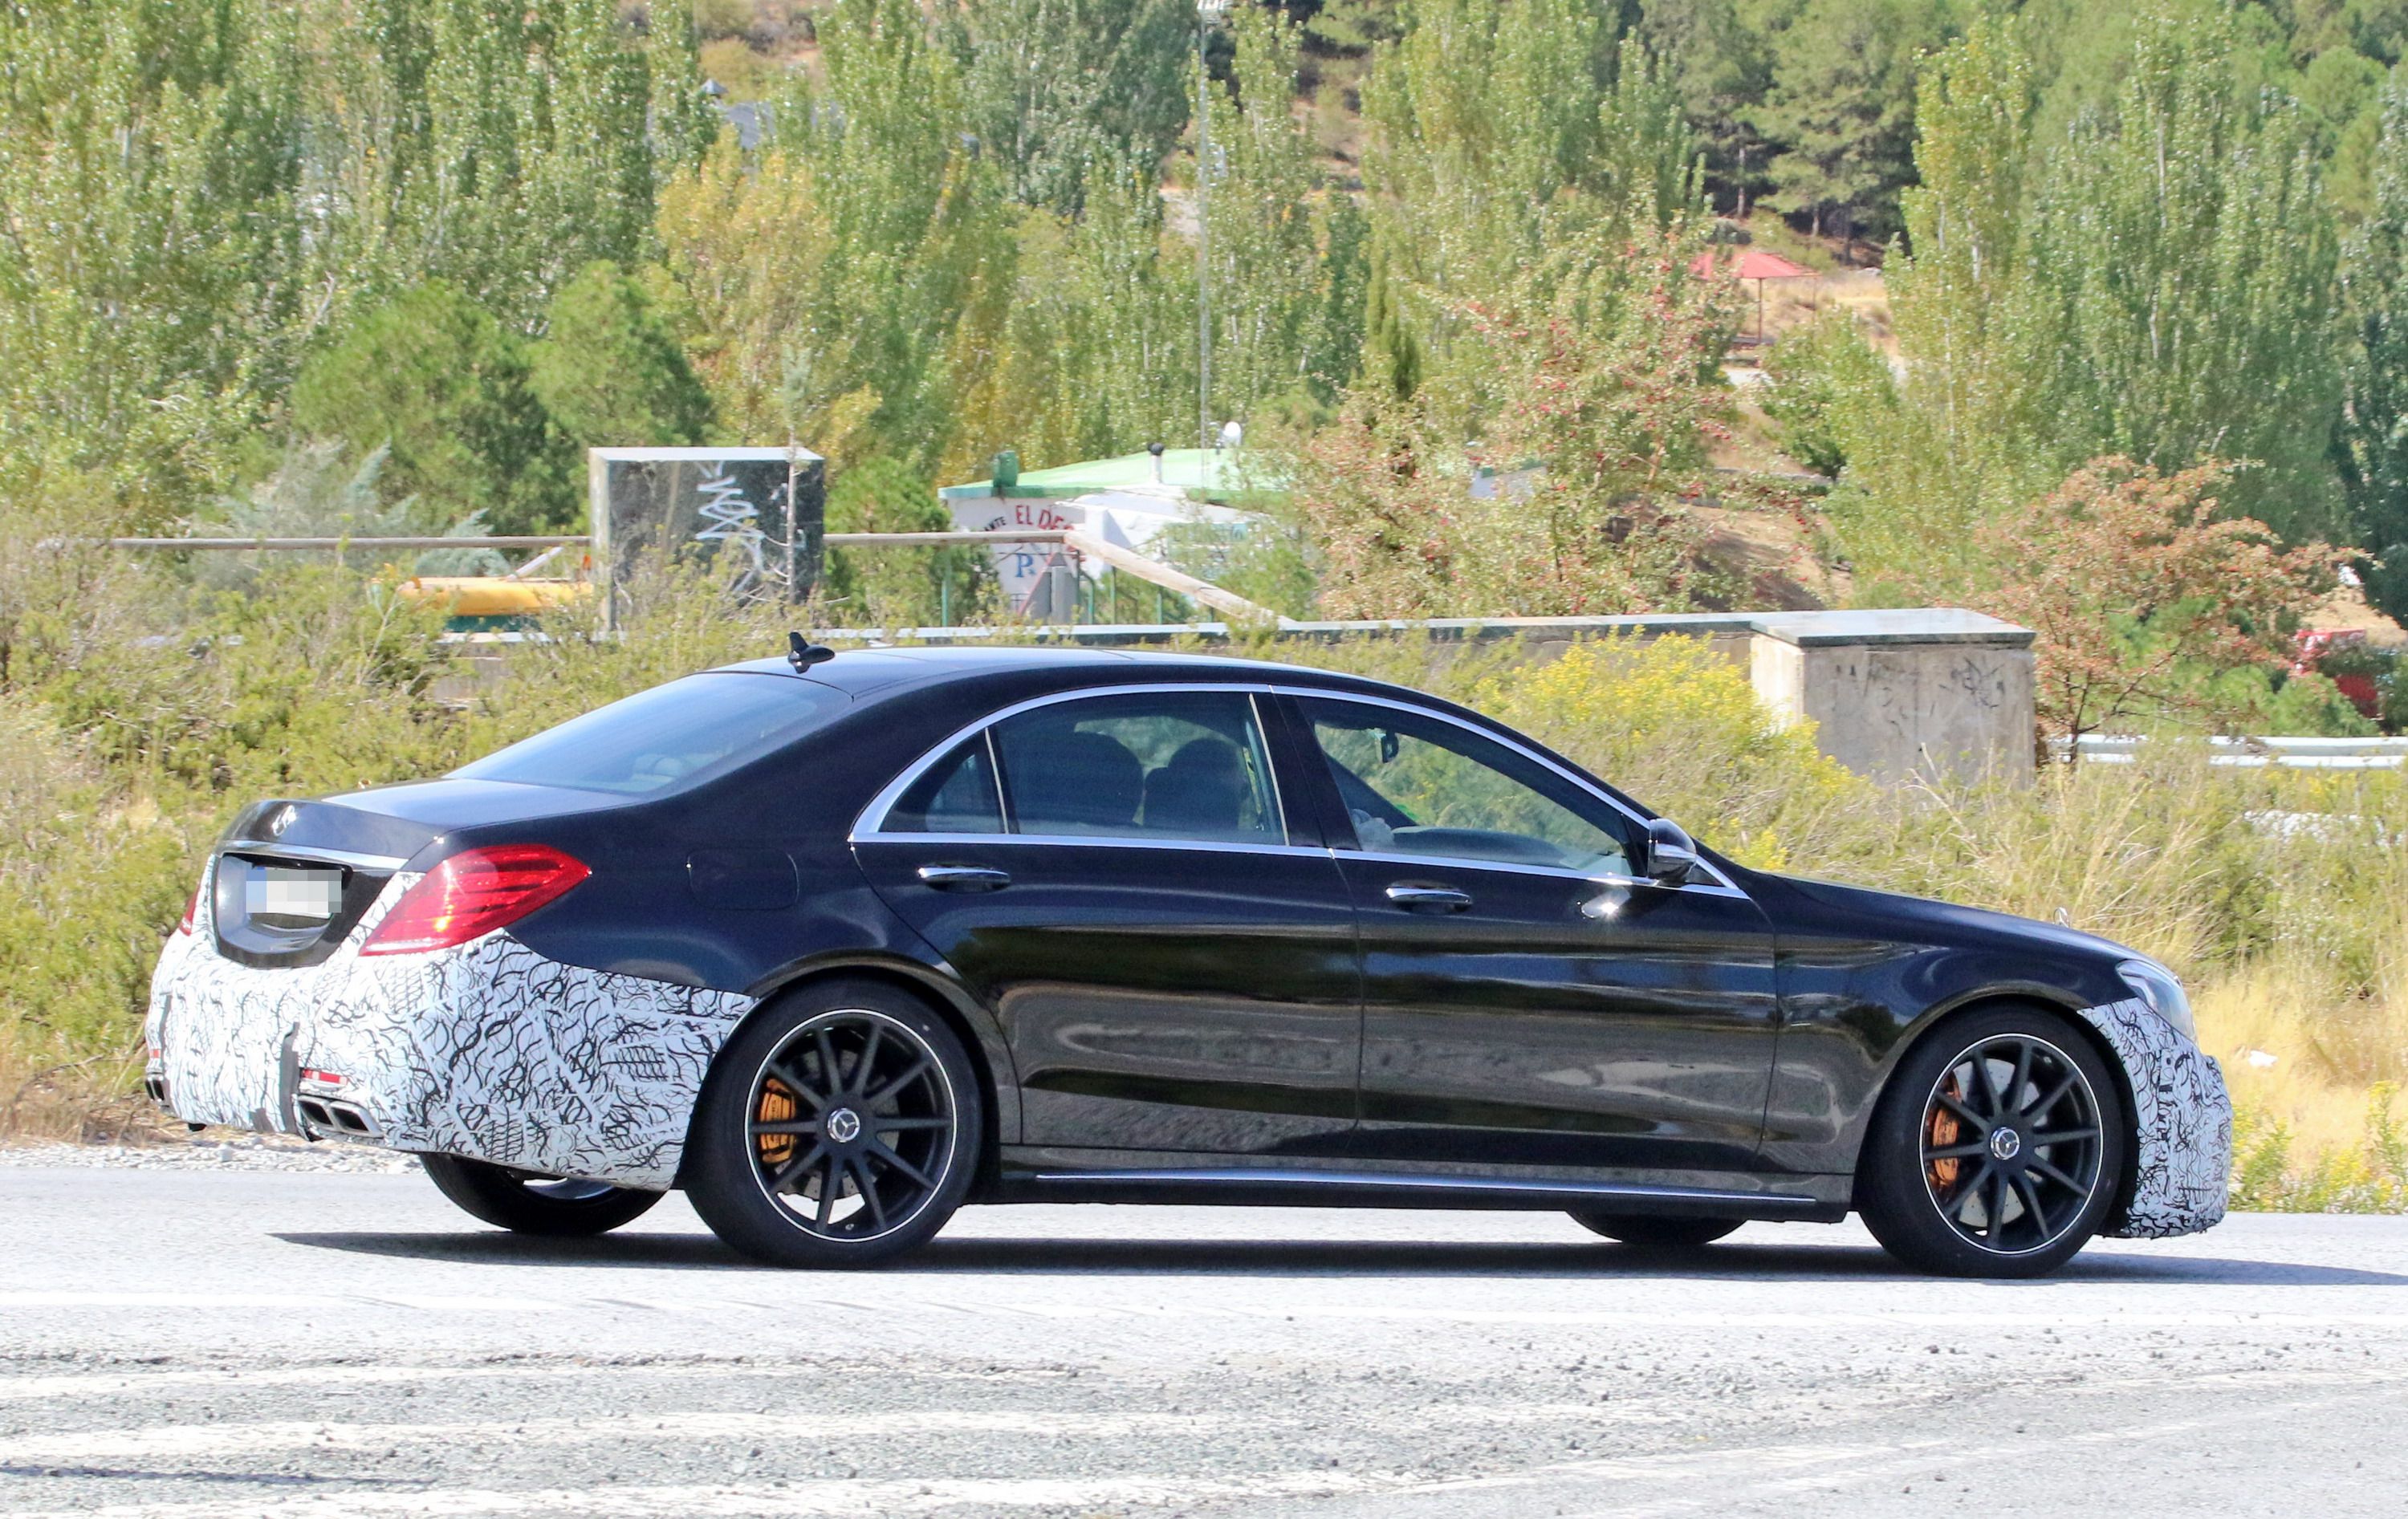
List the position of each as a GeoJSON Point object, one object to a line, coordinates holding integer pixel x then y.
{"type": "Point", "coordinates": [1421, 785]}
{"type": "Point", "coordinates": [1175, 765]}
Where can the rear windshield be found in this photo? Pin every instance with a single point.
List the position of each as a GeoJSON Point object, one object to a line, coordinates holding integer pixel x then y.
{"type": "Point", "coordinates": [672, 733]}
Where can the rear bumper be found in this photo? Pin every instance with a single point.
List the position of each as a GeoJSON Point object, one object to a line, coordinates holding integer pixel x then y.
{"type": "Point", "coordinates": [488, 1051]}
{"type": "Point", "coordinates": [2182, 1120]}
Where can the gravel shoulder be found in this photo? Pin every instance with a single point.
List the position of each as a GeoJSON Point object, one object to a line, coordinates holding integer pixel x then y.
{"type": "Point", "coordinates": [215, 1150]}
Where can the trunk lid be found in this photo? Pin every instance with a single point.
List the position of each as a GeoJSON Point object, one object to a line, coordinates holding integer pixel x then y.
{"type": "Point", "coordinates": [290, 879]}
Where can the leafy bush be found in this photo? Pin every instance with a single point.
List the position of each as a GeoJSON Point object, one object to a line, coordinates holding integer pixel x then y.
{"type": "Point", "coordinates": [1823, 374]}
{"type": "Point", "coordinates": [2140, 596]}
{"type": "Point", "coordinates": [433, 377]}
{"type": "Point", "coordinates": [1680, 727]}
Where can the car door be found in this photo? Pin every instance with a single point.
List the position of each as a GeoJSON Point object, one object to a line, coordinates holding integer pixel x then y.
{"type": "Point", "coordinates": [1169, 954]}
{"type": "Point", "coordinates": [1527, 998]}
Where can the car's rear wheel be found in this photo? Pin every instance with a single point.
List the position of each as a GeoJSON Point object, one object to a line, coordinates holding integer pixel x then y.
{"type": "Point", "coordinates": [840, 1129]}
{"type": "Point", "coordinates": [528, 1203]}
{"type": "Point", "coordinates": [1997, 1150]}
{"type": "Point", "coordinates": [1646, 1231]}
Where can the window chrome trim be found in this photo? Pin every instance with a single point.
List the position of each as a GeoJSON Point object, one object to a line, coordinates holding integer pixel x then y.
{"type": "Point", "coordinates": [1270, 758]}
{"type": "Point", "coordinates": [994, 773]}
{"type": "Point", "coordinates": [1720, 886]}
{"type": "Point", "coordinates": [872, 818]}
{"type": "Point", "coordinates": [984, 841]}
{"type": "Point", "coordinates": [866, 826]}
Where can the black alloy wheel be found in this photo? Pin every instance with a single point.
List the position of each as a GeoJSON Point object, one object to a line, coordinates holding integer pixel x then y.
{"type": "Point", "coordinates": [528, 1202]}
{"type": "Point", "coordinates": [1658, 1233]}
{"type": "Point", "coordinates": [2016, 1144]}
{"type": "Point", "coordinates": [835, 1135]}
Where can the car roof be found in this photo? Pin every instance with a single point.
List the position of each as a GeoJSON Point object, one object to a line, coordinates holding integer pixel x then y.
{"type": "Point", "coordinates": [880, 672]}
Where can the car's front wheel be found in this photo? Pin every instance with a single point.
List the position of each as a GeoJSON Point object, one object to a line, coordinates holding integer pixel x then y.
{"type": "Point", "coordinates": [1654, 1232]}
{"type": "Point", "coordinates": [1997, 1150]}
{"type": "Point", "coordinates": [525, 1203]}
{"type": "Point", "coordinates": [838, 1128]}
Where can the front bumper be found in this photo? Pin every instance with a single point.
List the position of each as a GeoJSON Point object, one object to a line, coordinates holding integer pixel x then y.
{"type": "Point", "coordinates": [488, 1051]}
{"type": "Point", "coordinates": [2182, 1120]}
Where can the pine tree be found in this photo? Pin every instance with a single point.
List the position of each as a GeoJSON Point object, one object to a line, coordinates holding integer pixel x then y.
{"type": "Point", "coordinates": [1843, 107]}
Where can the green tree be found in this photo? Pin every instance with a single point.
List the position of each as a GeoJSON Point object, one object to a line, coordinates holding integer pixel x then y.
{"type": "Point", "coordinates": [895, 587]}
{"type": "Point", "coordinates": [1718, 56]}
{"type": "Point", "coordinates": [154, 275]}
{"type": "Point", "coordinates": [684, 121]}
{"type": "Point", "coordinates": [2183, 252]}
{"type": "Point", "coordinates": [1606, 393]}
{"type": "Point", "coordinates": [1050, 86]}
{"type": "Point", "coordinates": [1842, 106]}
{"type": "Point", "coordinates": [2375, 416]}
{"type": "Point", "coordinates": [915, 221]}
{"type": "Point", "coordinates": [609, 369]}
{"type": "Point", "coordinates": [1265, 243]}
{"type": "Point", "coordinates": [432, 376]}
{"type": "Point", "coordinates": [1481, 116]}
{"type": "Point", "coordinates": [1509, 142]}
{"type": "Point", "coordinates": [2156, 283]}
{"type": "Point", "coordinates": [1391, 354]}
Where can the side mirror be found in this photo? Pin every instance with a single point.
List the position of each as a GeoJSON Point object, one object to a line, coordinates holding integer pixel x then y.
{"type": "Point", "coordinates": [1671, 853]}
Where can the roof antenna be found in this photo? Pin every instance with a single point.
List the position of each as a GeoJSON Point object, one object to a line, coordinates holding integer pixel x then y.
{"type": "Point", "coordinates": [803, 653]}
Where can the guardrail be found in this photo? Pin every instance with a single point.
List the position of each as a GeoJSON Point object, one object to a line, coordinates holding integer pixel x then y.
{"type": "Point", "coordinates": [2298, 754]}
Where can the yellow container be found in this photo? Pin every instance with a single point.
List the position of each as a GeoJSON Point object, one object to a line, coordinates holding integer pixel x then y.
{"type": "Point", "coordinates": [491, 596]}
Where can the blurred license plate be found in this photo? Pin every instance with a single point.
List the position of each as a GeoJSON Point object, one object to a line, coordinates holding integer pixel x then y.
{"type": "Point", "coordinates": [292, 896]}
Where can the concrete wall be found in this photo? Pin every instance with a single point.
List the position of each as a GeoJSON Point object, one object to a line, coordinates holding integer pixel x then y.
{"type": "Point", "coordinates": [1895, 696]}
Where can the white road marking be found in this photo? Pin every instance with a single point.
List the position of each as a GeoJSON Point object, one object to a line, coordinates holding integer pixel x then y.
{"type": "Point", "coordinates": [170, 1441]}
{"type": "Point", "coordinates": [849, 1497]}
{"type": "Point", "coordinates": [145, 1380]}
{"type": "Point", "coordinates": [287, 1302]}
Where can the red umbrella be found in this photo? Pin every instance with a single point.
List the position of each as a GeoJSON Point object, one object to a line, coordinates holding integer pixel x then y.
{"type": "Point", "coordinates": [1752, 264]}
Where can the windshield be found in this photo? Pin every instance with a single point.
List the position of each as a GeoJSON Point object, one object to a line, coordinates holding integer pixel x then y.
{"type": "Point", "coordinates": [669, 734]}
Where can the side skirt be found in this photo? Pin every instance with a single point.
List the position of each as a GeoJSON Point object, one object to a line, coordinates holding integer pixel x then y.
{"type": "Point", "coordinates": [1290, 1186]}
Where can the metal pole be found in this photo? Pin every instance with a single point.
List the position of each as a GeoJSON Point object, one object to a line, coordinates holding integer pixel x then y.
{"type": "Point", "coordinates": [1203, 230]}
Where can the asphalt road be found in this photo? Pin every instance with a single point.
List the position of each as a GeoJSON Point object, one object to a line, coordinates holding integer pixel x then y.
{"type": "Point", "coordinates": [200, 1344]}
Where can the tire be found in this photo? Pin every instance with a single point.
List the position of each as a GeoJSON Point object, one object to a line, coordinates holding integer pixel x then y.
{"type": "Point", "coordinates": [839, 1128]}
{"type": "Point", "coordinates": [1997, 1148]}
{"type": "Point", "coordinates": [1655, 1232]}
{"type": "Point", "coordinates": [524, 1203]}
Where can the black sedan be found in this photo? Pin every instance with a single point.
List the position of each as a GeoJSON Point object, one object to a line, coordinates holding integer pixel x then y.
{"type": "Point", "coordinates": [838, 944]}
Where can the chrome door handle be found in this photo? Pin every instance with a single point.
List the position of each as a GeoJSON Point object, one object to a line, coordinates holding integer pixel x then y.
{"type": "Point", "coordinates": [965, 878]}
{"type": "Point", "coordinates": [1428, 898]}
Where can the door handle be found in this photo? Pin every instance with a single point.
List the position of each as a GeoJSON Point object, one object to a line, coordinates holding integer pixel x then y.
{"type": "Point", "coordinates": [1428, 898]}
{"type": "Point", "coordinates": [965, 878]}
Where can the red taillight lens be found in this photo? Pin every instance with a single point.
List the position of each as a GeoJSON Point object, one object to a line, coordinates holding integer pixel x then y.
{"type": "Point", "coordinates": [472, 894]}
{"type": "Point", "coordinates": [191, 909]}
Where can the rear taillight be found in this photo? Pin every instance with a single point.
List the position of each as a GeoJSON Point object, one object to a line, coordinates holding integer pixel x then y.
{"type": "Point", "coordinates": [191, 909]}
{"type": "Point", "coordinates": [472, 894]}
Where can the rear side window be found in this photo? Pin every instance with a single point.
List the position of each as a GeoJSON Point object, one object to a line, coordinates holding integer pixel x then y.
{"type": "Point", "coordinates": [682, 731]}
{"type": "Point", "coordinates": [956, 794]}
{"type": "Point", "coordinates": [1177, 765]}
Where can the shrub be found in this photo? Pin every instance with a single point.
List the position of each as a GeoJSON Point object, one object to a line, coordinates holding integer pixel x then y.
{"type": "Point", "coordinates": [2138, 592]}
{"type": "Point", "coordinates": [437, 378]}
{"type": "Point", "coordinates": [1680, 727]}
